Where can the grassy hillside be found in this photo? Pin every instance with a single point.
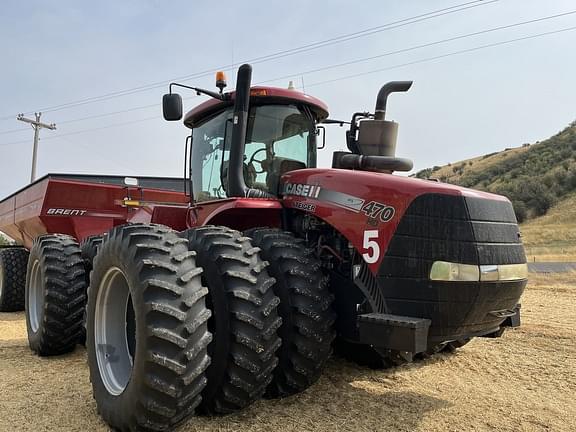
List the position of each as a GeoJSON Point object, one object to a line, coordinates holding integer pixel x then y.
{"type": "Point", "coordinates": [552, 237]}
{"type": "Point", "coordinates": [3, 240]}
{"type": "Point", "coordinates": [540, 180]}
{"type": "Point", "coordinates": [534, 177]}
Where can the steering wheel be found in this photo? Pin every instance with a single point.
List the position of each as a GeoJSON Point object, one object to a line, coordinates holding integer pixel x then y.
{"type": "Point", "coordinates": [253, 159]}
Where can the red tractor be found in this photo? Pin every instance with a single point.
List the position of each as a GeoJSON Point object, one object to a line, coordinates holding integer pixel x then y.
{"type": "Point", "coordinates": [204, 295]}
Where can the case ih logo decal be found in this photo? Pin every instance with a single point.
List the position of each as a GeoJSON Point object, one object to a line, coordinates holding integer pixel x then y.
{"type": "Point", "coordinates": [305, 190]}
{"type": "Point", "coordinates": [374, 210]}
{"type": "Point", "coordinates": [66, 212]}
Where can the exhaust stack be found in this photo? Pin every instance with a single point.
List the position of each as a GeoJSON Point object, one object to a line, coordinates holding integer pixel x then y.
{"type": "Point", "coordinates": [378, 137]}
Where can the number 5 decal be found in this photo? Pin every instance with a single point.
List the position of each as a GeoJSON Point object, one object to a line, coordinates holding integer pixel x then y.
{"type": "Point", "coordinates": [371, 246]}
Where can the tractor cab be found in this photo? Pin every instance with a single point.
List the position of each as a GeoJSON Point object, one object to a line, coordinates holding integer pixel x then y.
{"type": "Point", "coordinates": [279, 136]}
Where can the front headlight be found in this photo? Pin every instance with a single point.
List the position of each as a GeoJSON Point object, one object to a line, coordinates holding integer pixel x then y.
{"type": "Point", "coordinates": [448, 271]}
{"type": "Point", "coordinates": [504, 272]}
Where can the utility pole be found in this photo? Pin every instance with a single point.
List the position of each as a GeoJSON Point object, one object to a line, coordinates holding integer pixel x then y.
{"type": "Point", "coordinates": [36, 125]}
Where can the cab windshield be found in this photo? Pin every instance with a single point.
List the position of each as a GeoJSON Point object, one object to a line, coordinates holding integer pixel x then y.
{"type": "Point", "coordinates": [279, 138]}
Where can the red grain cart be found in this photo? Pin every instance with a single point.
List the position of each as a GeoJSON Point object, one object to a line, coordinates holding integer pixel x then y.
{"type": "Point", "coordinates": [85, 205]}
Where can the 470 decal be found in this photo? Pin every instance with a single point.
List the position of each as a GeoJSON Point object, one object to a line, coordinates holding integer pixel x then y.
{"type": "Point", "coordinates": [374, 209]}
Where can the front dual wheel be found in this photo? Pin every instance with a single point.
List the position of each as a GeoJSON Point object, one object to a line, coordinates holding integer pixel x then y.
{"type": "Point", "coordinates": [147, 331]}
{"type": "Point", "coordinates": [160, 345]}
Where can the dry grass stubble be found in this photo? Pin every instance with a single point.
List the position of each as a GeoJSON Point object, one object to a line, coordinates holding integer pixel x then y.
{"type": "Point", "coordinates": [523, 381]}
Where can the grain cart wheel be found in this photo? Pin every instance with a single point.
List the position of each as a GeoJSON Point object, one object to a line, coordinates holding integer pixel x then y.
{"type": "Point", "coordinates": [89, 248]}
{"type": "Point", "coordinates": [147, 329]}
{"type": "Point", "coordinates": [13, 263]}
{"type": "Point", "coordinates": [244, 321]}
{"type": "Point", "coordinates": [307, 329]}
{"type": "Point", "coordinates": [55, 294]}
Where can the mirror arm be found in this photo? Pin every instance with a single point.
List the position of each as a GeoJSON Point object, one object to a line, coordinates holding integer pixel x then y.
{"type": "Point", "coordinates": [199, 91]}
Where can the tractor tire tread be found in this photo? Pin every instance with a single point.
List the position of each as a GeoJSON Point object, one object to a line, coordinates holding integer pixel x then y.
{"type": "Point", "coordinates": [306, 308]}
{"type": "Point", "coordinates": [169, 389]}
{"type": "Point", "coordinates": [13, 261]}
{"type": "Point", "coordinates": [242, 365]}
{"type": "Point", "coordinates": [64, 282]}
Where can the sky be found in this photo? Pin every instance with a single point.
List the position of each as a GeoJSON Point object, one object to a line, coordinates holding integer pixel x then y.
{"type": "Point", "coordinates": [460, 106]}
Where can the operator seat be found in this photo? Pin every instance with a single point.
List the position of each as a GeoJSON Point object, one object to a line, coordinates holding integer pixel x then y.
{"type": "Point", "coordinates": [277, 169]}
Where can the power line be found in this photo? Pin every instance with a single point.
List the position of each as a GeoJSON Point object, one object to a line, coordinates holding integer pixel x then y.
{"type": "Point", "coordinates": [86, 130]}
{"type": "Point", "coordinates": [280, 54]}
{"type": "Point", "coordinates": [13, 131]}
{"type": "Point", "coordinates": [364, 59]}
{"type": "Point", "coordinates": [428, 59]}
{"type": "Point", "coordinates": [426, 45]}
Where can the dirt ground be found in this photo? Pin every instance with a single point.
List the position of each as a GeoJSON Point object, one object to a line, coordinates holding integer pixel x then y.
{"type": "Point", "coordinates": [523, 381]}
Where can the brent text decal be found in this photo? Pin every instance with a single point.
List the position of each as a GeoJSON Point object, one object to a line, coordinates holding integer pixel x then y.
{"type": "Point", "coordinates": [66, 212]}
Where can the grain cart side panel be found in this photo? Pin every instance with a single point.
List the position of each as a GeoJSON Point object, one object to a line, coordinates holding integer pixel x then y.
{"type": "Point", "coordinates": [20, 213]}
{"type": "Point", "coordinates": [82, 206]}
{"type": "Point", "coordinates": [82, 209]}
{"type": "Point", "coordinates": [7, 217]}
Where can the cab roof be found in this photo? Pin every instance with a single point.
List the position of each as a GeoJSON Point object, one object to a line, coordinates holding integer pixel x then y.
{"type": "Point", "coordinates": [258, 95]}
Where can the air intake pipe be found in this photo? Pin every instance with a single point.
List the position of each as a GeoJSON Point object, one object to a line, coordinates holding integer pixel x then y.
{"type": "Point", "coordinates": [384, 164]}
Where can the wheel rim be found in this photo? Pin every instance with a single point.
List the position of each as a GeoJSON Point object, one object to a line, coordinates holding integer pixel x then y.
{"type": "Point", "coordinates": [114, 331]}
{"type": "Point", "coordinates": [35, 296]}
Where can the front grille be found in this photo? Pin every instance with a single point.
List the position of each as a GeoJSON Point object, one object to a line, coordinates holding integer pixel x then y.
{"type": "Point", "coordinates": [457, 229]}
{"type": "Point", "coordinates": [452, 228]}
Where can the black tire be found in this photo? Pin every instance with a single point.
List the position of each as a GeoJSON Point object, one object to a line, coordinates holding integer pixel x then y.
{"type": "Point", "coordinates": [89, 248]}
{"type": "Point", "coordinates": [307, 330]}
{"type": "Point", "coordinates": [431, 352]}
{"type": "Point", "coordinates": [366, 355]}
{"type": "Point", "coordinates": [244, 321]}
{"type": "Point", "coordinates": [165, 339]}
{"type": "Point", "coordinates": [55, 294]}
{"type": "Point", "coordinates": [446, 348]}
{"type": "Point", "coordinates": [451, 347]}
{"type": "Point", "coordinates": [13, 262]}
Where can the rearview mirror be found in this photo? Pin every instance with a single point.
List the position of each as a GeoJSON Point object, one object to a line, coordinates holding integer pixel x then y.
{"type": "Point", "coordinates": [172, 106]}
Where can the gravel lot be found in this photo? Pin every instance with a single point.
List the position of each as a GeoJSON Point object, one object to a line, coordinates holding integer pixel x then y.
{"type": "Point", "coordinates": [523, 381]}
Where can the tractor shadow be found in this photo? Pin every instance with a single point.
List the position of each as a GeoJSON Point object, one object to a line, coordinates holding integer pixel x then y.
{"type": "Point", "coordinates": [347, 397]}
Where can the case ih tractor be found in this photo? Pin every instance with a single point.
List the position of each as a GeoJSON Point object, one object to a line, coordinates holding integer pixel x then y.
{"type": "Point", "coordinates": [204, 295]}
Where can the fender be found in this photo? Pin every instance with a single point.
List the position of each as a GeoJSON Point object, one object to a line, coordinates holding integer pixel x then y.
{"type": "Point", "coordinates": [237, 213]}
